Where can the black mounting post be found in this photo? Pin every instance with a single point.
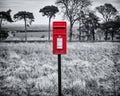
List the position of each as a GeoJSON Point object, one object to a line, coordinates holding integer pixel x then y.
{"type": "Point", "coordinates": [59, 75]}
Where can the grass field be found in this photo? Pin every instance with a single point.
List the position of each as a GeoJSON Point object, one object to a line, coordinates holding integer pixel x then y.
{"type": "Point", "coordinates": [34, 32]}
{"type": "Point", "coordinates": [88, 69]}
{"type": "Point", "coordinates": [30, 36]}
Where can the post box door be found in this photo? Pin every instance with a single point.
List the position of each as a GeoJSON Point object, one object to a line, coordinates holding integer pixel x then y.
{"type": "Point", "coordinates": [59, 44]}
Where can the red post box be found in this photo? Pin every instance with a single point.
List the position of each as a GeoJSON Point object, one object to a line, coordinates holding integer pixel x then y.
{"type": "Point", "coordinates": [59, 37]}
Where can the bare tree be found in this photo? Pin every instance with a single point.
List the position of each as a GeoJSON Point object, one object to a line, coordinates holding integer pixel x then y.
{"type": "Point", "coordinates": [88, 22]}
{"type": "Point", "coordinates": [71, 9]}
{"type": "Point", "coordinates": [92, 24]}
{"type": "Point", "coordinates": [27, 17]}
{"type": "Point", "coordinates": [108, 11]}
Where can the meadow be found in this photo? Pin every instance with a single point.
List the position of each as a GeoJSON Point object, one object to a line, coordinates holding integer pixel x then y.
{"type": "Point", "coordinates": [34, 32]}
{"type": "Point", "coordinates": [40, 33]}
{"type": "Point", "coordinates": [88, 69]}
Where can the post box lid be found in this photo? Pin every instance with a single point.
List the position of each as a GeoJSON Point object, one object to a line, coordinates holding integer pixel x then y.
{"type": "Point", "coordinates": [59, 25]}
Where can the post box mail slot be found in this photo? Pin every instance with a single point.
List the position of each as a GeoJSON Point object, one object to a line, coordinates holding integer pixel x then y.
{"type": "Point", "coordinates": [59, 37]}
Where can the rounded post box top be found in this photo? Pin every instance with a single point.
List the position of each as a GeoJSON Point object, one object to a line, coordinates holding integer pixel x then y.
{"type": "Point", "coordinates": [59, 25]}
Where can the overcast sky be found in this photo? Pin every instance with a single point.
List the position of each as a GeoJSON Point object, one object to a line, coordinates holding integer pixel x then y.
{"type": "Point", "coordinates": [35, 5]}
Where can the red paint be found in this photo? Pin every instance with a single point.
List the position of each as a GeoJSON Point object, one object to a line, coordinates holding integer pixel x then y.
{"type": "Point", "coordinates": [59, 34]}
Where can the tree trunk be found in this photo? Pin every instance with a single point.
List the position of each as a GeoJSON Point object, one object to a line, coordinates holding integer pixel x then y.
{"type": "Point", "coordinates": [112, 35]}
{"type": "Point", "coordinates": [114, 87]}
{"type": "Point", "coordinates": [79, 31]}
{"type": "Point", "coordinates": [93, 32]}
{"type": "Point", "coordinates": [106, 35]}
{"type": "Point", "coordinates": [25, 30]}
{"type": "Point", "coordinates": [49, 29]}
{"type": "Point", "coordinates": [88, 35]}
{"type": "Point", "coordinates": [71, 26]}
{"type": "Point", "coordinates": [0, 29]}
{"type": "Point", "coordinates": [79, 35]}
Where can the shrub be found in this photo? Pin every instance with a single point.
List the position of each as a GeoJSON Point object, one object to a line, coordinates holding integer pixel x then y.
{"type": "Point", "coordinates": [3, 35]}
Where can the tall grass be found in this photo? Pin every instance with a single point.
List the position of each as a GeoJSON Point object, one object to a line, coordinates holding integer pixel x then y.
{"type": "Point", "coordinates": [88, 69]}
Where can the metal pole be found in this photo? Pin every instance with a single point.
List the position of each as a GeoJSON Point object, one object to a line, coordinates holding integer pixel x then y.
{"type": "Point", "coordinates": [59, 75]}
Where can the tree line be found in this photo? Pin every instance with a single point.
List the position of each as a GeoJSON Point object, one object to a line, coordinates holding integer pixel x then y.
{"type": "Point", "coordinates": [75, 11]}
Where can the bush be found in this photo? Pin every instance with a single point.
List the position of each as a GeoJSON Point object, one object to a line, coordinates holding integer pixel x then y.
{"type": "Point", "coordinates": [3, 35]}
